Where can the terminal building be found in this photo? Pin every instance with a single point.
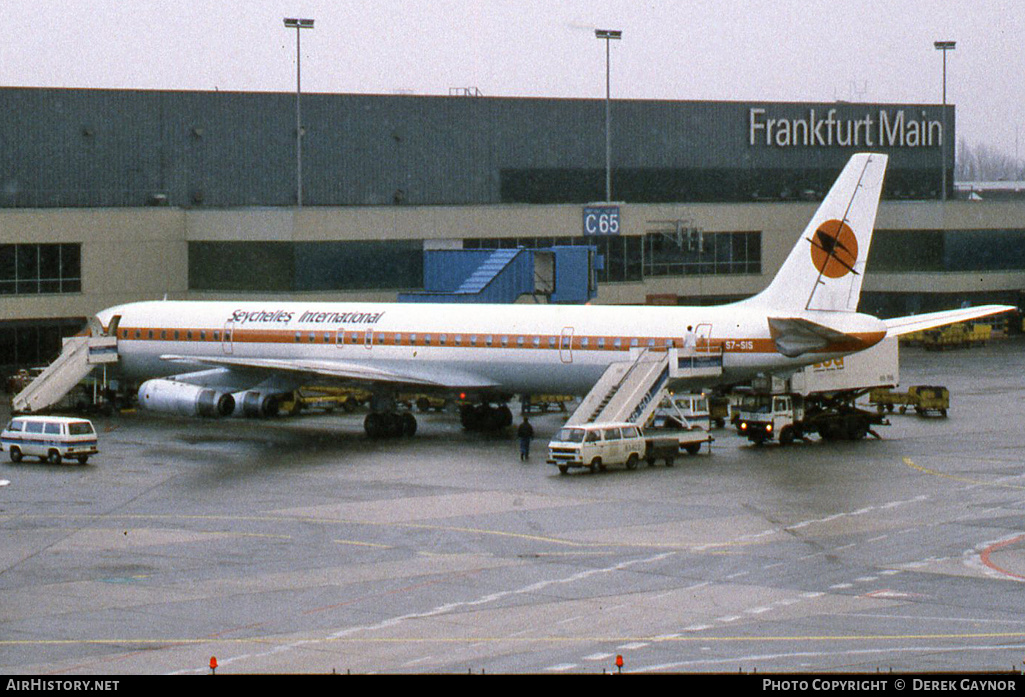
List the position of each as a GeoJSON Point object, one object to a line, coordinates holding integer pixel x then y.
{"type": "Point", "coordinates": [113, 196]}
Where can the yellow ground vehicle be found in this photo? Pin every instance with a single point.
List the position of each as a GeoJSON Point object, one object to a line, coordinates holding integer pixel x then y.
{"type": "Point", "coordinates": [543, 403]}
{"type": "Point", "coordinates": [324, 399]}
{"type": "Point", "coordinates": [951, 337]}
{"type": "Point", "coordinates": [921, 398]}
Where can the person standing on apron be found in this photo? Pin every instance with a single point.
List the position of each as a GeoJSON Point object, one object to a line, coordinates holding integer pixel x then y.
{"type": "Point", "coordinates": [525, 433]}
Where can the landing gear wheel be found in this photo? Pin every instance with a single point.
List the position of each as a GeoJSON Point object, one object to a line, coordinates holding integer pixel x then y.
{"type": "Point", "coordinates": [389, 425]}
{"type": "Point", "coordinates": [786, 436]}
{"type": "Point", "coordinates": [408, 424]}
{"type": "Point", "coordinates": [857, 428]}
{"type": "Point", "coordinates": [484, 417]}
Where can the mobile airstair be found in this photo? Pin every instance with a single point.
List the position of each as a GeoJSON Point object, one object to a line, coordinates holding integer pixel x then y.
{"type": "Point", "coordinates": [77, 359]}
{"type": "Point", "coordinates": [630, 391]}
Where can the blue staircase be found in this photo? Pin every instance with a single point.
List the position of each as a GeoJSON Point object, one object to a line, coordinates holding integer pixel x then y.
{"type": "Point", "coordinates": [497, 276]}
{"type": "Point", "coordinates": [488, 271]}
{"type": "Point", "coordinates": [503, 275]}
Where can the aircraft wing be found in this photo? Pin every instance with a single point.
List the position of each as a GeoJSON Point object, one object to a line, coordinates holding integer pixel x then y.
{"type": "Point", "coordinates": [336, 371]}
{"type": "Point", "coordinates": [915, 323]}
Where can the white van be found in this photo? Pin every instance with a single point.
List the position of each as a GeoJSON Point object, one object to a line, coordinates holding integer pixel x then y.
{"type": "Point", "coordinates": [597, 446]}
{"type": "Point", "coordinates": [50, 438]}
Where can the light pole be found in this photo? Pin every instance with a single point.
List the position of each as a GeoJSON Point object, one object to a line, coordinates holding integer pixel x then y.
{"type": "Point", "coordinates": [298, 25]}
{"type": "Point", "coordinates": [608, 35]}
{"type": "Point", "coordinates": [944, 46]}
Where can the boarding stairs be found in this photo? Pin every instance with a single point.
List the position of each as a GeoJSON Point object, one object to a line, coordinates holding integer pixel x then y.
{"type": "Point", "coordinates": [631, 391]}
{"type": "Point", "coordinates": [77, 359]}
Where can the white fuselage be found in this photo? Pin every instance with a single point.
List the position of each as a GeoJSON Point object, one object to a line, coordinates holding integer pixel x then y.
{"type": "Point", "coordinates": [508, 348]}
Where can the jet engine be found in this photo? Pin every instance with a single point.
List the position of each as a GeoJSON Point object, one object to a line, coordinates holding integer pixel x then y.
{"type": "Point", "coordinates": [172, 397]}
{"type": "Point", "coordinates": [257, 403]}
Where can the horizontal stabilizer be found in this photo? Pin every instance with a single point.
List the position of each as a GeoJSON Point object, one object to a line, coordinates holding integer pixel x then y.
{"type": "Point", "coordinates": [916, 323]}
{"type": "Point", "coordinates": [794, 336]}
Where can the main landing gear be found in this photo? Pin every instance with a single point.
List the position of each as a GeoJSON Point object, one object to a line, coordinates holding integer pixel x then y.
{"type": "Point", "coordinates": [384, 421]}
{"type": "Point", "coordinates": [389, 425]}
{"type": "Point", "coordinates": [484, 417]}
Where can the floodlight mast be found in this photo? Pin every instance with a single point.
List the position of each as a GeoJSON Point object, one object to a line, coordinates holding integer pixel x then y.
{"type": "Point", "coordinates": [944, 46]}
{"type": "Point", "coordinates": [298, 24]}
{"type": "Point", "coordinates": [608, 35]}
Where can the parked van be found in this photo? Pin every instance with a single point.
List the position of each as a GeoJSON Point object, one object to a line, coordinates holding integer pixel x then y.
{"type": "Point", "coordinates": [50, 438]}
{"type": "Point", "coordinates": [597, 446]}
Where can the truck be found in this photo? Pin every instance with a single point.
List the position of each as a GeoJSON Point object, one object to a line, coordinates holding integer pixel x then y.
{"type": "Point", "coordinates": [820, 398]}
{"type": "Point", "coordinates": [597, 446]}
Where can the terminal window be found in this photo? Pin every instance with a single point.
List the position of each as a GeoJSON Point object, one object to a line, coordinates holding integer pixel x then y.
{"type": "Point", "coordinates": [904, 251]}
{"type": "Point", "coordinates": [693, 252]}
{"type": "Point", "coordinates": [32, 269]}
{"type": "Point", "coordinates": [306, 266]}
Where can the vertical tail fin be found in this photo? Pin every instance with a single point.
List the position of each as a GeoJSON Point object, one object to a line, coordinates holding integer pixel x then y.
{"type": "Point", "coordinates": [826, 267]}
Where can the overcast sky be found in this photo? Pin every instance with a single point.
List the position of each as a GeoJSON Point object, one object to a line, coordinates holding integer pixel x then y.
{"type": "Point", "coordinates": [765, 50]}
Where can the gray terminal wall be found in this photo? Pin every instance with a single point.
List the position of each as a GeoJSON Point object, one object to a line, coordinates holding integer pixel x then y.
{"type": "Point", "coordinates": [89, 148]}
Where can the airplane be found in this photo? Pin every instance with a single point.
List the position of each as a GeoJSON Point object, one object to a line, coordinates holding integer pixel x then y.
{"type": "Point", "coordinates": [224, 357]}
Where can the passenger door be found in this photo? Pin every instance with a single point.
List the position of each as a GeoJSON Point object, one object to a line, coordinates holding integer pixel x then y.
{"type": "Point", "coordinates": [566, 345]}
{"type": "Point", "coordinates": [226, 338]}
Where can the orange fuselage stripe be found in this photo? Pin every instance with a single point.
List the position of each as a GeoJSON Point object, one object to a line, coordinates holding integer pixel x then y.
{"type": "Point", "coordinates": [469, 340]}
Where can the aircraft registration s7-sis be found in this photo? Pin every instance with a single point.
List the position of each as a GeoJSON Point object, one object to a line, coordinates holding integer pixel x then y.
{"type": "Point", "coordinates": [218, 358]}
